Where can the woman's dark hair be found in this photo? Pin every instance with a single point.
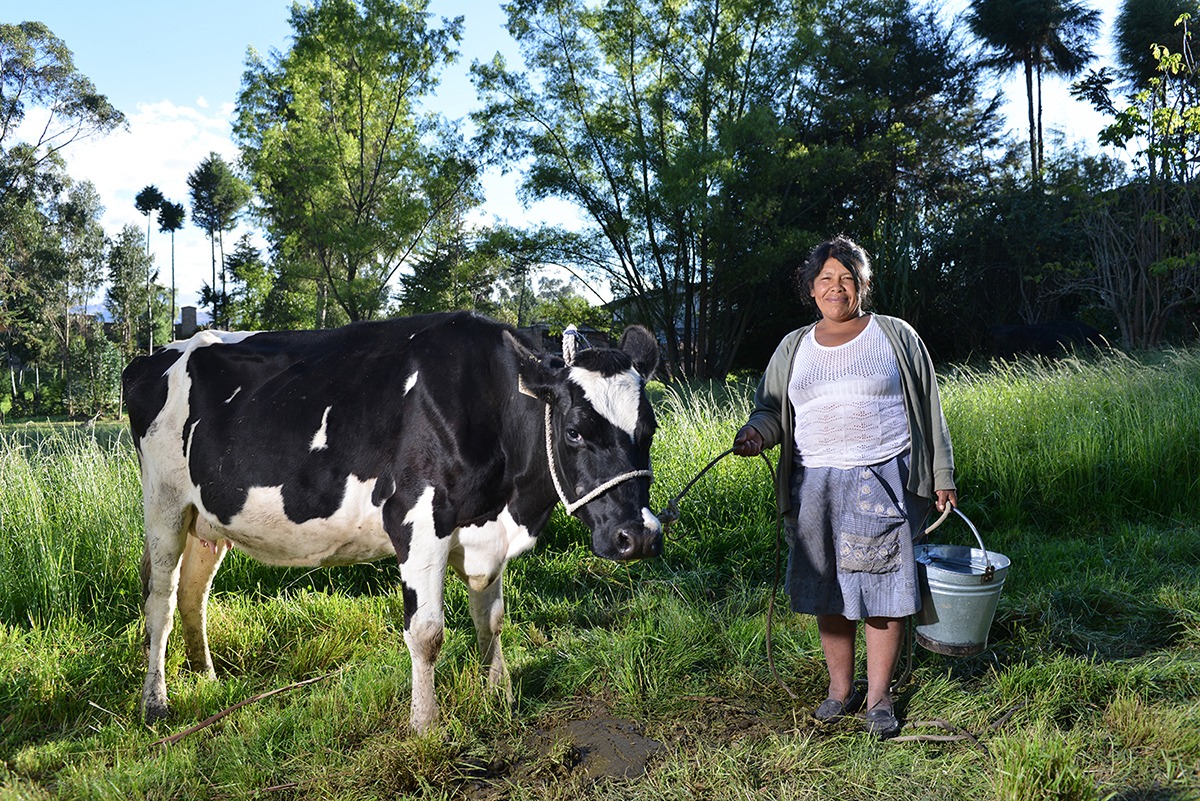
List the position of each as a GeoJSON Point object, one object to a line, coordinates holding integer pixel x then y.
{"type": "Point", "coordinates": [850, 254]}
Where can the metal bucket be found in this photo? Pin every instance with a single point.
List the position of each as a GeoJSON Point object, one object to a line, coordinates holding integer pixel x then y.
{"type": "Point", "coordinates": [959, 590]}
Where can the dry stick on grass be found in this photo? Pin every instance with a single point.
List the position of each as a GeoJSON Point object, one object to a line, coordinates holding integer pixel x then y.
{"type": "Point", "coordinates": [174, 738]}
{"type": "Point", "coordinates": [960, 734]}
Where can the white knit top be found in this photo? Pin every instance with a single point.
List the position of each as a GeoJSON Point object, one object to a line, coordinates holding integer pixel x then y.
{"type": "Point", "coordinates": [849, 402]}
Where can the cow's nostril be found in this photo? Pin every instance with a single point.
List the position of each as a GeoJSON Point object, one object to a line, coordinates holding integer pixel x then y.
{"type": "Point", "coordinates": [625, 544]}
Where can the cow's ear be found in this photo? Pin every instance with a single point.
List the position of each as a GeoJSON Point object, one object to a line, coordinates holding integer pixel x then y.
{"type": "Point", "coordinates": [641, 346]}
{"type": "Point", "coordinates": [537, 375]}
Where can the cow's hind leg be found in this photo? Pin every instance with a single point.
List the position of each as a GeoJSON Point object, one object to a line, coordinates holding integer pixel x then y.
{"type": "Point", "coordinates": [201, 558]}
{"type": "Point", "coordinates": [487, 610]}
{"type": "Point", "coordinates": [166, 530]}
{"type": "Point", "coordinates": [486, 596]}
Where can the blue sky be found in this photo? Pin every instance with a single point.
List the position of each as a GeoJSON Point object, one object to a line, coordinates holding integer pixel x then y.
{"type": "Point", "coordinates": [175, 70]}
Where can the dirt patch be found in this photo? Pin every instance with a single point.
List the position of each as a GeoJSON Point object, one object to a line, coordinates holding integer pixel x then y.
{"type": "Point", "coordinates": [602, 746]}
{"type": "Point", "coordinates": [589, 744]}
{"type": "Point", "coordinates": [569, 752]}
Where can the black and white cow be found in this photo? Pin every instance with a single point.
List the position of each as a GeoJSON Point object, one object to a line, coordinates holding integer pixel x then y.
{"type": "Point", "coordinates": [440, 440]}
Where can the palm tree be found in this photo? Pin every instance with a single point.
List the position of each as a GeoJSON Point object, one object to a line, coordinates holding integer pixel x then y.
{"type": "Point", "coordinates": [148, 201]}
{"type": "Point", "coordinates": [1140, 24]}
{"type": "Point", "coordinates": [1044, 37]}
{"type": "Point", "coordinates": [170, 219]}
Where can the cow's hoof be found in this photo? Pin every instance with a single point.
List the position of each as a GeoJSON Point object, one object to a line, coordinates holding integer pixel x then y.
{"type": "Point", "coordinates": [154, 712]}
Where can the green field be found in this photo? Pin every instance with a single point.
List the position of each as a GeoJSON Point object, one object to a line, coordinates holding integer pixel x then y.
{"type": "Point", "coordinates": [644, 681]}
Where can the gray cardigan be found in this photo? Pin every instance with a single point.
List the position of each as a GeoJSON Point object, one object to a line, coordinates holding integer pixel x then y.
{"type": "Point", "coordinates": [932, 461]}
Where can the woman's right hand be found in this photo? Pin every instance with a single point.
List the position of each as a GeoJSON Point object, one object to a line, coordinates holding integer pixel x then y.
{"type": "Point", "coordinates": [748, 441]}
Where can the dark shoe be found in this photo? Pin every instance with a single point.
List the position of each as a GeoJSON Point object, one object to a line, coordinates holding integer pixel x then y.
{"type": "Point", "coordinates": [831, 708]}
{"type": "Point", "coordinates": [881, 720]}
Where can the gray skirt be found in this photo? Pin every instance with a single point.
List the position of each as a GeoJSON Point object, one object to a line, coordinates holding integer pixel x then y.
{"type": "Point", "coordinates": [850, 546]}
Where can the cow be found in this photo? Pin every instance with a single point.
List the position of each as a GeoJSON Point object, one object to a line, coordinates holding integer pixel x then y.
{"type": "Point", "coordinates": [437, 440]}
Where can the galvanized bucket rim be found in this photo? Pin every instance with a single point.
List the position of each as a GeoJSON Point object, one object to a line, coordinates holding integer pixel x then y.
{"type": "Point", "coordinates": [949, 508]}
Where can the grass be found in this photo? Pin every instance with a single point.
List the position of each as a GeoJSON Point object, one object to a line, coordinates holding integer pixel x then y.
{"type": "Point", "coordinates": [1083, 473]}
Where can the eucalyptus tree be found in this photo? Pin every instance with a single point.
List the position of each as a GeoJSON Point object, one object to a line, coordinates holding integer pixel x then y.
{"type": "Point", "coordinates": [350, 175]}
{"type": "Point", "coordinates": [1042, 37]}
{"type": "Point", "coordinates": [37, 71]}
{"type": "Point", "coordinates": [710, 143]}
{"type": "Point", "coordinates": [170, 219]}
{"type": "Point", "coordinates": [128, 266]}
{"type": "Point", "coordinates": [627, 115]}
{"type": "Point", "coordinates": [38, 75]}
{"type": "Point", "coordinates": [218, 195]}
{"type": "Point", "coordinates": [81, 239]}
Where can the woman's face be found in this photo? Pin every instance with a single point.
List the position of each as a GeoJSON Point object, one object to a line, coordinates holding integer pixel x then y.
{"type": "Point", "coordinates": [835, 292]}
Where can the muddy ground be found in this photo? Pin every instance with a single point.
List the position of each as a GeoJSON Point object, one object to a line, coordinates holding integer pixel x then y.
{"type": "Point", "coordinates": [591, 744]}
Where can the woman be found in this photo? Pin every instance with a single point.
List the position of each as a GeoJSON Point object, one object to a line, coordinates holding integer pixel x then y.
{"type": "Point", "coordinates": [855, 399]}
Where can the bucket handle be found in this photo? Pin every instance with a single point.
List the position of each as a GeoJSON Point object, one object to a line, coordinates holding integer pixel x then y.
{"type": "Point", "coordinates": [989, 572]}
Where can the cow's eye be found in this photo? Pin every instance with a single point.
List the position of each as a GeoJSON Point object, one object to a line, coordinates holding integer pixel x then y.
{"type": "Point", "coordinates": [573, 436]}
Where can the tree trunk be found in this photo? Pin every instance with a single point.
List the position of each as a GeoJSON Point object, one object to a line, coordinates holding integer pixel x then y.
{"type": "Point", "coordinates": [1033, 141]}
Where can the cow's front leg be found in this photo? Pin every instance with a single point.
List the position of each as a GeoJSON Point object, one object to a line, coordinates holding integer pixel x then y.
{"type": "Point", "coordinates": [423, 557]}
{"type": "Point", "coordinates": [487, 611]}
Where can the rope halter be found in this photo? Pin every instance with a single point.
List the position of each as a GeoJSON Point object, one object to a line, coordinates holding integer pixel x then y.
{"type": "Point", "coordinates": [594, 494]}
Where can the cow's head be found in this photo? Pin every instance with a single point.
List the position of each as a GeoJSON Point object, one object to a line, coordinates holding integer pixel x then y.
{"type": "Point", "coordinates": [600, 427]}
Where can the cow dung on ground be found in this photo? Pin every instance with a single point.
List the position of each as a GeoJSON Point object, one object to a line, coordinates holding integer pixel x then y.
{"type": "Point", "coordinates": [602, 747]}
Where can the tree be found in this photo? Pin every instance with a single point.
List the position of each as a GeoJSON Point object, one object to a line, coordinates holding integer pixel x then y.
{"type": "Point", "coordinates": [1044, 37]}
{"type": "Point", "coordinates": [251, 281]}
{"type": "Point", "coordinates": [350, 177]}
{"type": "Point", "coordinates": [148, 201]}
{"type": "Point", "coordinates": [81, 239]}
{"type": "Point", "coordinates": [624, 120]}
{"type": "Point", "coordinates": [1143, 237]}
{"type": "Point", "coordinates": [128, 290]}
{"type": "Point", "coordinates": [1141, 24]}
{"type": "Point", "coordinates": [170, 219]}
{"type": "Point", "coordinates": [36, 70]}
{"type": "Point", "coordinates": [710, 143]}
{"type": "Point", "coordinates": [37, 75]}
{"type": "Point", "coordinates": [218, 196]}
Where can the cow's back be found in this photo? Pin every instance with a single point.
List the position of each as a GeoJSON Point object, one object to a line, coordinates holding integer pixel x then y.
{"type": "Point", "coordinates": [266, 431]}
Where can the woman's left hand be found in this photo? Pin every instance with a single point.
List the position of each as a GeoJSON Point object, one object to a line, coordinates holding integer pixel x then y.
{"type": "Point", "coordinates": [946, 497]}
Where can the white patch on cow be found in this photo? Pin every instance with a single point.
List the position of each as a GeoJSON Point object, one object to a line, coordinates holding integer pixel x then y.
{"type": "Point", "coordinates": [411, 382]}
{"type": "Point", "coordinates": [352, 534]}
{"type": "Point", "coordinates": [650, 520]}
{"type": "Point", "coordinates": [616, 398]}
{"type": "Point", "coordinates": [234, 395]}
{"type": "Point", "coordinates": [187, 448]}
{"type": "Point", "coordinates": [320, 439]}
{"type": "Point", "coordinates": [426, 563]}
{"type": "Point", "coordinates": [486, 547]}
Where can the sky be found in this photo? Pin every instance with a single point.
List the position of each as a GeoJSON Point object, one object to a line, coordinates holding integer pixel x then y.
{"type": "Point", "coordinates": [175, 70]}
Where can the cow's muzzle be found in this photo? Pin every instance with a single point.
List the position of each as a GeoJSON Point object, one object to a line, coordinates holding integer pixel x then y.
{"type": "Point", "coordinates": [631, 541]}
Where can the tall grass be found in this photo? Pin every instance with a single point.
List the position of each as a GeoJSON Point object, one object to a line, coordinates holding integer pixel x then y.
{"type": "Point", "coordinates": [1077, 440]}
{"type": "Point", "coordinates": [69, 508]}
{"type": "Point", "coordinates": [1079, 471]}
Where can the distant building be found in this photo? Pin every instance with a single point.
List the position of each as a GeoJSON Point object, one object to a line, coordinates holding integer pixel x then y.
{"type": "Point", "coordinates": [187, 322]}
